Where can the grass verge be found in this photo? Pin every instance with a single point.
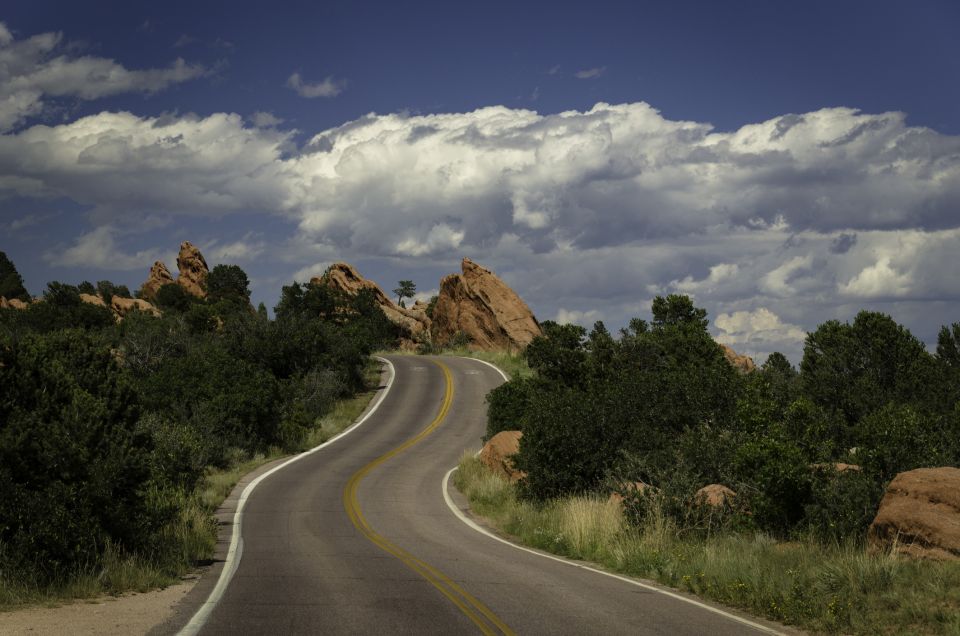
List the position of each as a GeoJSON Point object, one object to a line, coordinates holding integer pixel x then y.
{"type": "Point", "coordinates": [823, 588]}
{"type": "Point", "coordinates": [192, 535]}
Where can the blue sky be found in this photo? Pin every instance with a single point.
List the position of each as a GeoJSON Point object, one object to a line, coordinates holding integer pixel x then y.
{"type": "Point", "coordinates": [783, 163]}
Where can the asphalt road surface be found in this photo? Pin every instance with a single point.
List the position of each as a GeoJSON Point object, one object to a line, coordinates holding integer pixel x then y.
{"type": "Point", "coordinates": [357, 539]}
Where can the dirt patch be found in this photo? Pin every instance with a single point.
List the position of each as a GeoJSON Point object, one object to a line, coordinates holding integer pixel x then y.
{"type": "Point", "coordinates": [130, 614]}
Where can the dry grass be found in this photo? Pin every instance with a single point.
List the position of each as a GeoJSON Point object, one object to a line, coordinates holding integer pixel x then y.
{"type": "Point", "coordinates": [823, 588]}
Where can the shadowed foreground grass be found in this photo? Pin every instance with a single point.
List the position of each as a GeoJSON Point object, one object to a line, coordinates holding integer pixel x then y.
{"type": "Point", "coordinates": [823, 588]}
{"type": "Point", "coordinates": [190, 538]}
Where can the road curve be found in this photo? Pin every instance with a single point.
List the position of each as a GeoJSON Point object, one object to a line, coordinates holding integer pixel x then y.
{"type": "Point", "coordinates": [358, 539]}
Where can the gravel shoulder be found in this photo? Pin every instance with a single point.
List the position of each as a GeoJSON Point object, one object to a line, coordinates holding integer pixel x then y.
{"type": "Point", "coordinates": [123, 615]}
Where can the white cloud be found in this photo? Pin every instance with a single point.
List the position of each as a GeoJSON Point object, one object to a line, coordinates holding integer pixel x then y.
{"type": "Point", "coordinates": [34, 70]}
{"type": "Point", "coordinates": [879, 279]}
{"type": "Point", "coordinates": [760, 325]}
{"type": "Point", "coordinates": [597, 209]}
{"type": "Point", "coordinates": [262, 119]}
{"type": "Point", "coordinates": [758, 333]}
{"type": "Point", "coordinates": [329, 87]}
{"type": "Point", "coordinates": [590, 73]}
{"type": "Point", "coordinates": [425, 296]}
{"type": "Point", "coordinates": [718, 274]}
{"type": "Point", "coordinates": [576, 317]}
{"type": "Point", "coordinates": [99, 249]}
{"type": "Point", "coordinates": [246, 249]}
{"type": "Point", "coordinates": [440, 237]}
{"type": "Point", "coordinates": [304, 274]}
{"type": "Point", "coordinates": [777, 281]}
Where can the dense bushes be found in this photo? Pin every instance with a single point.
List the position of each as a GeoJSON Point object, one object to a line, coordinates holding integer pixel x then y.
{"type": "Point", "coordinates": [661, 405]}
{"type": "Point", "coordinates": [73, 464]}
{"type": "Point", "coordinates": [106, 427]}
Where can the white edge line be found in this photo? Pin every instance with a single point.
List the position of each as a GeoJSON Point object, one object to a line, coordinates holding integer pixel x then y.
{"type": "Point", "coordinates": [506, 378]}
{"type": "Point", "coordinates": [235, 552]}
{"type": "Point", "coordinates": [472, 524]}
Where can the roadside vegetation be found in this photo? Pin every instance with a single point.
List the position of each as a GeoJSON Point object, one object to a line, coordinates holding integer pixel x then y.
{"type": "Point", "coordinates": [658, 413]}
{"type": "Point", "coordinates": [833, 587]}
{"type": "Point", "coordinates": [119, 440]}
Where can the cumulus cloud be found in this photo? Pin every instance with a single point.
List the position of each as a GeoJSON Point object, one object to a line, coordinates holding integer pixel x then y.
{"type": "Point", "coordinates": [39, 68]}
{"type": "Point", "coordinates": [718, 274]}
{"type": "Point", "coordinates": [262, 119]}
{"type": "Point", "coordinates": [304, 274]}
{"type": "Point", "coordinates": [99, 249]}
{"type": "Point", "coordinates": [329, 87]}
{"type": "Point", "coordinates": [576, 317]}
{"type": "Point", "coordinates": [246, 249]}
{"type": "Point", "coordinates": [758, 333]}
{"type": "Point", "coordinates": [760, 325]}
{"type": "Point", "coordinates": [807, 216]}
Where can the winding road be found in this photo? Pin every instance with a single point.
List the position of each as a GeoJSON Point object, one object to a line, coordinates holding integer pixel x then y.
{"type": "Point", "coordinates": [358, 538]}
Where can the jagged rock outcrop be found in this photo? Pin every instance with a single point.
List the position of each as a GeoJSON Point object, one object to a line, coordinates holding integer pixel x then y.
{"type": "Point", "coordinates": [93, 300]}
{"type": "Point", "coordinates": [497, 454]}
{"type": "Point", "coordinates": [193, 270]}
{"type": "Point", "coordinates": [158, 277]}
{"type": "Point", "coordinates": [481, 307]}
{"type": "Point", "coordinates": [13, 303]}
{"type": "Point", "coordinates": [919, 515]}
{"type": "Point", "coordinates": [413, 323]}
{"type": "Point", "coordinates": [743, 364]}
{"type": "Point", "coordinates": [714, 496]}
{"type": "Point", "coordinates": [123, 306]}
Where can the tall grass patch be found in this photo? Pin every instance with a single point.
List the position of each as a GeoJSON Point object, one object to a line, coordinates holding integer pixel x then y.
{"type": "Point", "coordinates": [829, 587]}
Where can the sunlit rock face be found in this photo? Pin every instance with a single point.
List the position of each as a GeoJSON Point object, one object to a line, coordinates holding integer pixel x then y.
{"type": "Point", "coordinates": [479, 307]}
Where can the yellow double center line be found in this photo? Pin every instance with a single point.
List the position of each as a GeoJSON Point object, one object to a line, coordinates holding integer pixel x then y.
{"type": "Point", "coordinates": [485, 619]}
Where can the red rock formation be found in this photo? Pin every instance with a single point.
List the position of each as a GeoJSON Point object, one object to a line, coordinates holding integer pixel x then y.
{"type": "Point", "coordinates": [123, 306]}
{"type": "Point", "coordinates": [158, 277]}
{"type": "Point", "coordinates": [193, 270]}
{"type": "Point", "coordinates": [413, 323]}
{"type": "Point", "coordinates": [497, 453]}
{"type": "Point", "coordinates": [743, 364]}
{"type": "Point", "coordinates": [13, 303]}
{"type": "Point", "coordinates": [93, 300]}
{"type": "Point", "coordinates": [481, 307]}
{"type": "Point", "coordinates": [714, 496]}
{"type": "Point", "coordinates": [919, 515]}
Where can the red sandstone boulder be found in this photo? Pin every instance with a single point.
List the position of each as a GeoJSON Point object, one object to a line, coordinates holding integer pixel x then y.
{"type": "Point", "coordinates": [919, 515]}
{"type": "Point", "coordinates": [497, 453]}
{"type": "Point", "coordinates": [714, 496]}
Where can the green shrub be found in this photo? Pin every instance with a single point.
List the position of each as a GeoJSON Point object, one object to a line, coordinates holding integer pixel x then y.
{"type": "Point", "coordinates": [73, 466]}
{"type": "Point", "coordinates": [897, 438]}
{"type": "Point", "coordinates": [842, 504]}
{"type": "Point", "coordinates": [507, 406]}
{"type": "Point", "coordinates": [774, 482]}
